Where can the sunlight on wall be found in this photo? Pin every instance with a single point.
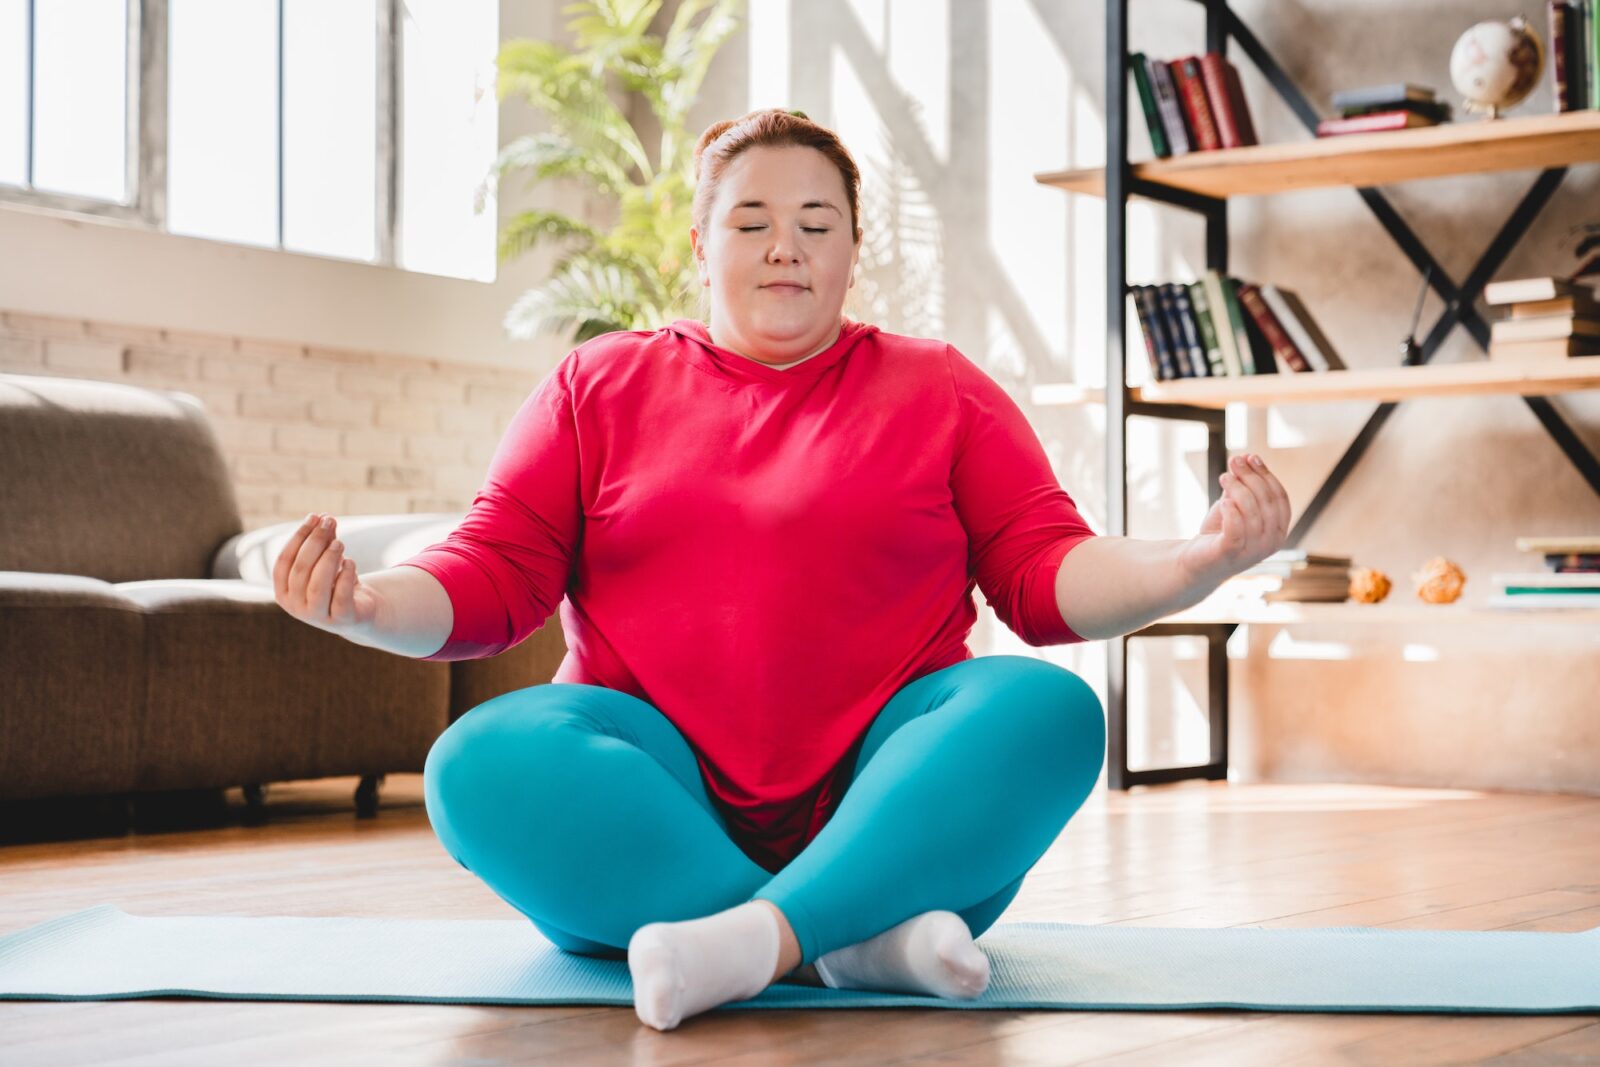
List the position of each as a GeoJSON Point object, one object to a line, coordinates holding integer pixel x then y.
{"type": "Point", "coordinates": [1028, 98]}
{"type": "Point", "coordinates": [450, 137]}
{"type": "Point", "coordinates": [1419, 654]}
{"type": "Point", "coordinates": [1164, 676]}
{"type": "Point", "coordinates": [768, 34]}
{"type": "Point", "coordinates": [919, 63]}
{"type": "Point", "coordinates": [1285, 647]}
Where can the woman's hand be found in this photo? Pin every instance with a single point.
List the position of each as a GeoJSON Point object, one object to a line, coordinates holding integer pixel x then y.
{"type": "Point", "coordinates": [315, 583]}
{"type": "Point", "coordinates": [1244, 527]}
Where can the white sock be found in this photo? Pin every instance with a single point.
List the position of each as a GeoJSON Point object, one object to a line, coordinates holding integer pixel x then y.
{"type": "Point", "coordinates": [683, 968]}
{"type": "Point", "coordinates": [928, 953]}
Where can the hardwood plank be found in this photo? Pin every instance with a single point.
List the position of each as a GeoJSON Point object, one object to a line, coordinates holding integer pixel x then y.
{"type": "Point", "coordinates": [1188, 854]}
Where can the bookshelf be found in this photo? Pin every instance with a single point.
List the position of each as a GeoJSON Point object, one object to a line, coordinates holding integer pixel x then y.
{"type": "Point", "coordinates": [1475, 378]}
{"type": "Point", "coordinates": [1203, 182]}
{"type": "Point", "coordinates": [1362, 159]}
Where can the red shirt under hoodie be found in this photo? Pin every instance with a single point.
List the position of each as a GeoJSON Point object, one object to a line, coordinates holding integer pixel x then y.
{"type": "Point", "coordinates": [763, 555]}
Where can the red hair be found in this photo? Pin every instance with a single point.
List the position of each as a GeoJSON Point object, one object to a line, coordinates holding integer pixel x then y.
{"type": "Point", "coordinates": [723, 141]}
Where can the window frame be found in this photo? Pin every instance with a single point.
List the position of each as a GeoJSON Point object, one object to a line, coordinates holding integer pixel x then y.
{"type": "Point", "coordinates": [146, 136]}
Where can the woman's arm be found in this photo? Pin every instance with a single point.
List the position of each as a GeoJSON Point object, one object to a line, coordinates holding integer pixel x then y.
{"type": "Point", "coordinates": [414, 616]}
{"type": "Point", "coordinates": [1107, 586]}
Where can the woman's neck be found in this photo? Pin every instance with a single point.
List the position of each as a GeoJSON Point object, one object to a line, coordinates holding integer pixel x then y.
{"type": "Point", "coordinates": [838, 328]}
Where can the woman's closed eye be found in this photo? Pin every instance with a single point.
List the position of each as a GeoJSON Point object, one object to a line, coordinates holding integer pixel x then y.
{"type": "Point", "coordinates": [807, 229]}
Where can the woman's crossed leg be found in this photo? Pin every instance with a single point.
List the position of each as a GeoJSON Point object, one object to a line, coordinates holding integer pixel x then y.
{"type": "Point", "coordinates": [583, 808]}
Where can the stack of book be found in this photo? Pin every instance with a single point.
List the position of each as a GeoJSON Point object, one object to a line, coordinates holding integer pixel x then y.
{"type": "Point", "coordinates": [1225, 327]}
{"type": "Point", "coordinates": [1292, 575]}
{"type": "Point", "coordinates": [1384, 107]}
{"type": "Point", "coordinates": [1575, 53]}
{"type": "Point", "coordinates": [1193, 104]}
{"type": "Point", "coordinates": [1571, 578]}
{"type": "Point", "coordinates": [1543, 318]}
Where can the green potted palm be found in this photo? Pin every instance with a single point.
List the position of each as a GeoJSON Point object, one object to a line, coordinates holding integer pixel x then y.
{"type": "Point", "coordinates": [640, 273]}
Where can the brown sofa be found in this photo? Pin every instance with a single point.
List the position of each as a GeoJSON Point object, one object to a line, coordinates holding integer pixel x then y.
{"type": "Point", "coordinates": [141, 649]}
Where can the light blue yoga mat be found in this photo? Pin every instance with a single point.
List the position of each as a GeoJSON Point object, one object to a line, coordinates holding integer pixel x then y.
{"type": "Point", "coordinates": [103, 953]}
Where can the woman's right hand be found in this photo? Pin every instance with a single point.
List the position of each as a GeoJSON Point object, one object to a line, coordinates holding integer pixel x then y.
{"type": "Point", "coordinates": [315, 583]}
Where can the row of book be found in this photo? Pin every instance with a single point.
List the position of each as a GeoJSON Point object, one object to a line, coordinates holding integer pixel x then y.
{"type": "Point", "coordinates": [1571, 578]}
{"type": "Point", "coordinates": [1227, 327]}
{"type": "Point", "coordinates": [1295, 576]}
{"type": "Point", "coordinates": [1396, 106]}
{"type": "Point", "coordinates": [1193, 104]}
{"type": "Point", "coordinates": [1575, 53]}
{"type": "Point", "coordinates": [1542, 318]}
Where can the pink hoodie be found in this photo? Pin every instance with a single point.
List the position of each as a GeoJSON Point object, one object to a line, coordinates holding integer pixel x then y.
{"type": "Point", "coordinates": [763, 555]}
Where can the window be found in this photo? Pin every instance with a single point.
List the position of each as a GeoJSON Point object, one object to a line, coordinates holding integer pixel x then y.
{"type": "Point", "coordinates": [353, 129]}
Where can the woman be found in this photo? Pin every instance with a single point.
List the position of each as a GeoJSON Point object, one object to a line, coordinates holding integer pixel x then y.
{"type": "Point", "coordinates": [768, 751]}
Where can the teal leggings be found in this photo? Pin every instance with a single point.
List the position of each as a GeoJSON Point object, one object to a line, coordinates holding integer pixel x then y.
{"type": "Point", "coordinates": [583, 808]}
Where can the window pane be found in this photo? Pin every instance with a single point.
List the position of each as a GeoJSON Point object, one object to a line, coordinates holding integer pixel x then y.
{"type": "Point", "coordinates": [13, 91]}
{"type": "Point", "coordinates": [222, 120]}
{"type": "Point", "coordinates": [81, 97]}
{"type": "Point", "coordinates": [449, 133]}
{"type": "Point", "coordinates": [330, 103]}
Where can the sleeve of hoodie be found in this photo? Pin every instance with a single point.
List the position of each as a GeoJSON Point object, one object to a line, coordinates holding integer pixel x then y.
{"type": "Point", "coordinates": [506, 567]}
{"type": "Point", "coordinates": [1020, 523]}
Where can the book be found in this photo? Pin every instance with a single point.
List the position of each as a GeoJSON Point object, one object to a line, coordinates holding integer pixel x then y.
{"type": "Point", "coordinates": [1147, 100]}
{"type": "Point", "coordinates": [1238, 319]}
{"type": "Point", "coordinates": [1558, 12]}
{"type": "Point", "coordinates": [1560, 543]}
{"type": "Point", "coordinates": [1560, 348]}
{"type": "Point", "coordinates": [1222, 323]}
{"type": "Point", "coordinates": [1241, 107]}
{"type": "Point", "coordinates": [1374, 122]}
{"type": "Point", "coordinates": [1544, 582]}
{"type": "Point", "coordinates": [1577, 56]}
{"type": "Point", "coordinates": [1283, 349]}
{"type": "Point", "coordinates": [1579, 304]}
{"type": "Point", "coordinates": [1201, 304]}
{"type": "Point", "coordinates": [1169, 319]}
{"type": "Point", "coordinates": [1155, 341]}
{"type": "Point", "coordinates": [1192, 94]}
{"type": "Point", "coordinates": [1545, 328]}
{"type": "Point", "coordinates": [1377, 95]}
{"type": "Point", "coordinates": [1303, 330]}
{"type": "Point", "coordinates": [1261, 353]}
{"type": "Point", "coordinates": [1532, 603]}
{"type": "Point", "coordinates": [1226, 97]}
{"type": "Point", "coordinates": [1173, 123]}
{"type": "Point", "coordinates": [1191, 330]}
{"type": "Point", "coordinates": [1521, 289]}
{"type": "Point", "coordinates": [1594, 54]}
{"type": "Point", "coordinates": [1437, 110]}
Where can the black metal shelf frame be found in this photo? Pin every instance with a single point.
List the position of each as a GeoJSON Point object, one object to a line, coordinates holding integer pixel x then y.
{"type": "Point", "coordinates": [1223, 25]}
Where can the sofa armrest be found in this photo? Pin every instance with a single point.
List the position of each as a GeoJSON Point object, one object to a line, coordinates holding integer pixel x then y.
{"type": "Point", "coordinates": [372, 542]}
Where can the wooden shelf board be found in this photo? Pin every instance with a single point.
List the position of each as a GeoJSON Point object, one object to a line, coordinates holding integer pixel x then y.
{"type": "Point", "coordinates": [1399, 611]}
{"type": "Point", "coordinates": [1474, 378]}
{"type": "Point", "coordinates": [1530, 142]}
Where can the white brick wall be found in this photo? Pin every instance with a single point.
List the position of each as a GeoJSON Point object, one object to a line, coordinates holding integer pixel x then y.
{"type": "Point", "coordinates": [303, 428]}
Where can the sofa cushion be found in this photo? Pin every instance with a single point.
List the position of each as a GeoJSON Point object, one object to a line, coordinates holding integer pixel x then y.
{"type": "Point", "coordinates": [108, 480]}
{"type": "Point", "coordinates": [72, 660]}
{"type": "Point", "coordinates": [238, 690]}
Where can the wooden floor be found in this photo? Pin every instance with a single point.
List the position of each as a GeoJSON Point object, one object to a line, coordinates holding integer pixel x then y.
{"type": "Point", "coordinates": [1190, 854]}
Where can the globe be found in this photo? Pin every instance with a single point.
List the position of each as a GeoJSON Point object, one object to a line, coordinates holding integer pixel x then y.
{"type": "Point", "coordinates": [1495, 65]}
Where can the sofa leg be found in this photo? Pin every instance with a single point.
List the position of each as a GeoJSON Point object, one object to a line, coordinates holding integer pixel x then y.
{"type": "Point", "coordinates": [367, 796]}
{"type": "Point", "coordinates": [255, 805]}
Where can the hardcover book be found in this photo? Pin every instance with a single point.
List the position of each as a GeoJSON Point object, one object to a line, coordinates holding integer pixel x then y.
{"type": "Point", "coordinates": [1192, 94]}
{"type": "Point", "coordinates": [1173, 123]}
{"type": "Point", "coordinates": [1147, 101]}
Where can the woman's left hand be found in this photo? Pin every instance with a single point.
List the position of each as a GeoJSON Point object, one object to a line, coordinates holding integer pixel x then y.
{"type": "Point", "coordinates": [1245, 526]}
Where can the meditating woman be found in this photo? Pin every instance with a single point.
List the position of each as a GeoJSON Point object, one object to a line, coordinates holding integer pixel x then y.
{"type": "Point", "coordinates": [768, 752]}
